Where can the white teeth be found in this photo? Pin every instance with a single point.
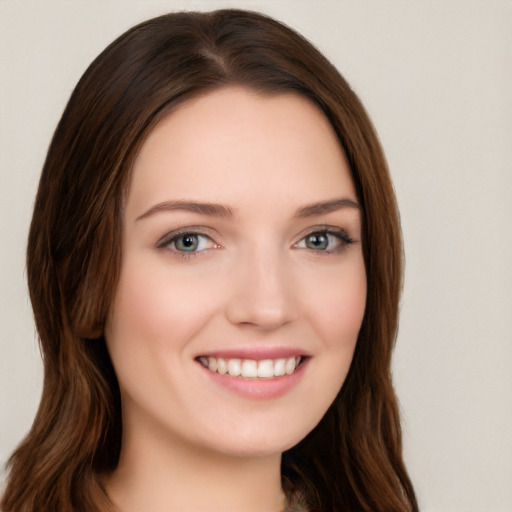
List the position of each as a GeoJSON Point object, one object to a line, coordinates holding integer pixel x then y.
{"type": "Point", "coordinates": [279, 367]}
{"type": "Point", "coordinates": [212, 364]}
{"type": "Point", "coordinates": [289, 365]}
{"type": "Point", "coordinates": [266, 368]}
{"type": "Point", "coordinates": [235, 367]}
{"type": "Point", "coordinates": [250, 368]}
{"type": "Point", "coordinates": [222, 366]}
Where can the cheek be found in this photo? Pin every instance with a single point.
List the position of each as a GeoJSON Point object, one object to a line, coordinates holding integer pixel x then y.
{"type": "Point", "coordinates": [156, 308]}
{"type": "Point", "coordinates": [336, 307]}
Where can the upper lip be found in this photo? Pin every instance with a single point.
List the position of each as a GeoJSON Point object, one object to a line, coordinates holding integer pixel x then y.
{"type": "Point", "coordinates": [256, 353]}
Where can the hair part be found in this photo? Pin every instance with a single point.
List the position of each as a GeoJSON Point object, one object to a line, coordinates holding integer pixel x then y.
{"type": "Point", "coordinates": [353, 459]}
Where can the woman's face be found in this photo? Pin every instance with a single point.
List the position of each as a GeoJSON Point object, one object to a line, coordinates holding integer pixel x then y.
{"type": "Point", "coordinates": [241, 254]}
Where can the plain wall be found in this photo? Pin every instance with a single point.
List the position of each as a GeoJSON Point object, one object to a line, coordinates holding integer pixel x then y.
{"type": "Point", "coordinates": [436, 78]}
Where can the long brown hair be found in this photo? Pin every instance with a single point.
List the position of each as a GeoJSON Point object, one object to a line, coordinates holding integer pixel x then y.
{"type": "Point", "coordinates": [352, 460]}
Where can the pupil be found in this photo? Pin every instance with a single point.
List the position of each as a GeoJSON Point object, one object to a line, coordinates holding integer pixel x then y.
{"type": "Point", "coordinates": [188, 242]}
{"type": "Point", "coordinates": [318, 241]}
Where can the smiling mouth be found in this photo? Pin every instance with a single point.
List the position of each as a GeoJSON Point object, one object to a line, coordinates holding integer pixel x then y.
{"type": "Point", "coordinates": [252, 368]}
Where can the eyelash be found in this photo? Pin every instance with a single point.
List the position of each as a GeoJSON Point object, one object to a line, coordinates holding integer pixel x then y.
{"type": "Point", "coordinates": [170, 239]}
{"type": "Point", "coordinates": [341, 235]}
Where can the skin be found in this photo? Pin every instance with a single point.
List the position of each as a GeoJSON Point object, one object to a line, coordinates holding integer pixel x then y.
{"type": "Point", "coordinates": [190, 444]}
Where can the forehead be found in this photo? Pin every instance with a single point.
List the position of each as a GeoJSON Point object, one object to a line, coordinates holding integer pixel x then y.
{"type": "Point", "coordinates": [234, 145]}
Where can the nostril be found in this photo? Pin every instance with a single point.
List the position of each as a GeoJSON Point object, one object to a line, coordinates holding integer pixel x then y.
{"type": "Point", "coordinates": [262, 296]}
{"type": "Point", "coordinates": [263, 317]}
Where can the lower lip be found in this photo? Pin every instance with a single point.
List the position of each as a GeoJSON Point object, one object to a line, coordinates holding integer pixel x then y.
{"type": "Point", "coordinates": [258, 388]}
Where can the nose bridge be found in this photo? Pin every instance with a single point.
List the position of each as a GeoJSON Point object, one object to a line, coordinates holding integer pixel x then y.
{"type": "Point", "coordinates": [263, 289]}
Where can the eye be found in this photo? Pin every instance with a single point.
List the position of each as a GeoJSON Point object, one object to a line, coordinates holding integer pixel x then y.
{"type": "Point", "coordinates": [190, 242]}
{"type": "Point", "coordinates": [317, 241]}
{"type": "Point", "coordinates": [325, 241]}
{"type": "Point", "coordinates": [187, 242]}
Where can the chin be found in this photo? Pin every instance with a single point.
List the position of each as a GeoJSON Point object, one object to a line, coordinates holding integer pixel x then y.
{"type": "Point", "coordinates": [260, 439]}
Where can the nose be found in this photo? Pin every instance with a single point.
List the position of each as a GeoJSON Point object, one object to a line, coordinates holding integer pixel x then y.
{"type": "Point", "coordinates": [263, 292]}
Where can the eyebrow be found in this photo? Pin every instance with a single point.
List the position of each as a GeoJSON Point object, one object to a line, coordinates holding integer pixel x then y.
{"type": "Point", "coordinates": [324, 207]}
{"type": "Point", "coordinates": [220, 210]}
{"type": "Point", "coordinates": [212, 209]}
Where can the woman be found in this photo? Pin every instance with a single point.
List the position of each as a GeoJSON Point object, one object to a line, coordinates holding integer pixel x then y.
{"type": "Point", "coordinates": [214, 264]}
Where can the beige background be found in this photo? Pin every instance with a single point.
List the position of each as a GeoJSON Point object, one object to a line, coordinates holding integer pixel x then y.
{"type": "Point", "coordinates": [436, 78]}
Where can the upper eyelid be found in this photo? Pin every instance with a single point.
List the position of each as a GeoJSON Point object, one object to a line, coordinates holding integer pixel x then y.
{"type": "Point", "coordinates": [213, 235]}
{"type": "Point", "coordinates": [334, 230]}
{"type": "Point", "coordinates": [188, 230]}
{"type": "Point", "coordinates": [342, 236]}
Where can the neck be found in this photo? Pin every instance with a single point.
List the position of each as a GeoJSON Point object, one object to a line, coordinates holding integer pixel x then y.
{"type": "Point", "coordinates": [157, 475]}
